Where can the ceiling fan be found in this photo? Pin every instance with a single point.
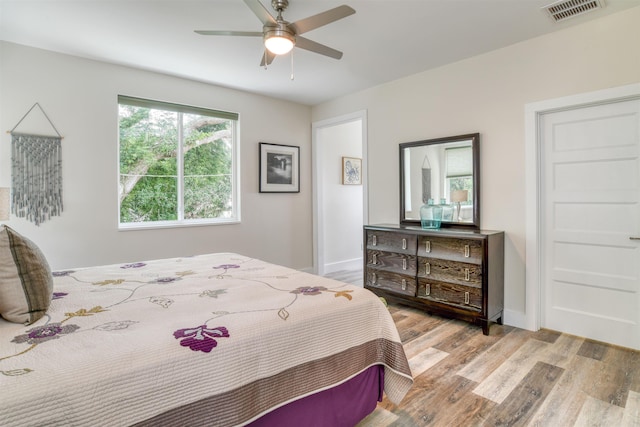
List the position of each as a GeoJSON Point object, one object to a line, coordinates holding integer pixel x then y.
{"type": "Point", "coordinates": [281, 36]}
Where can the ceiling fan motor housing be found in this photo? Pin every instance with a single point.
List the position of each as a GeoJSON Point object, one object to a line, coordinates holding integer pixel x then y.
{"type": "Point", "coordinates": [281, 30]}
{"type": "Point", "coordinates": [279, 39]}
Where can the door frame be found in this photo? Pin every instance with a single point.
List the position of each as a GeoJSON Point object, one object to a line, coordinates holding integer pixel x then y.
{"type": "Point", "coordinates": [531, 319]}
{"type": "Point", "coordinates": [318, 219]}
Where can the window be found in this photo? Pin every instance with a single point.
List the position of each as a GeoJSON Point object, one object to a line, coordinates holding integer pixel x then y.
{"type": "Point", "coordinates": [459, 170]}
{"type": "Point", "coordinates": [177, 164]}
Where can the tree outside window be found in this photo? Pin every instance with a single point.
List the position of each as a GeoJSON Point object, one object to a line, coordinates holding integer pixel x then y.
{"type": "Point", "coordinates": [176, 164]}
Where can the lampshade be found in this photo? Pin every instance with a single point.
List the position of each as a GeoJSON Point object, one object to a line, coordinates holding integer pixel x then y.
{"type": "Point", "coordinates": [459, 195]}
{"type": "Point", "coordinates": [5, 203]}
{"type": "Point", "coordinates": [279, 41]}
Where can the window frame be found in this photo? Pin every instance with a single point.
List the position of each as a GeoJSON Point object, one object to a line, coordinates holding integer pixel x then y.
{"type": "Point", "coordinates": [235, 165]}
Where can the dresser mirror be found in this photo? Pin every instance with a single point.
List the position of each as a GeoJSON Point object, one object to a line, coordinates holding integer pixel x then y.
{"type": "Point", "coordinates": [445, 170]}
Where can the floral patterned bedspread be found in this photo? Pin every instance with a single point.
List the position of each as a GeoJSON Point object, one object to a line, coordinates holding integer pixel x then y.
{"type": "Point", "coordinates": [226, 336]}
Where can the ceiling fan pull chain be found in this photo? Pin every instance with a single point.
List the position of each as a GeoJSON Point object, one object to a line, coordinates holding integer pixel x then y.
{"type": "Point", "coordinates": [292, 74]}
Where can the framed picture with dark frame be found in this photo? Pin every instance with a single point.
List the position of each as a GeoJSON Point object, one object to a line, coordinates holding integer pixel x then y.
{"type": "Point", "coordinates": [351, 171]}
{"type": "Point", "coordinates": [279, 168]}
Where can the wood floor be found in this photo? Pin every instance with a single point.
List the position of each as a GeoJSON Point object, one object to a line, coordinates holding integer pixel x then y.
{"type": "Point", "coordinates": [512, 377]}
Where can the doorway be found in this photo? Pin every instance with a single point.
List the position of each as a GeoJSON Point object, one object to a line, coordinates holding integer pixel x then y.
{"type": "Point", "coordinates": [583, 259]}
{"type": "Point", "coordinates": [339, 209]}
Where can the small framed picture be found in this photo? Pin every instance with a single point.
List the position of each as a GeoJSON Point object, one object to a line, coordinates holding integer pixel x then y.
{"type": "Point", "coordinates": [279, 168]}
{"type": "Point", "coordinates": [351, 171]}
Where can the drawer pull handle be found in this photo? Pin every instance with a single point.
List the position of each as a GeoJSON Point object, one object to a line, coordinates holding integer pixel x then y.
{"type": "Point", "coordinates": [404, 284]}
{"type": "Point", "coordinates": [374, 240]}
{"type": "Point", "coordinates": [427, 289]}
{"type": "Point", "coordinates": [466, 274]}
{"type": "Point", "coordinates": [375, 259]}
{"type": "Point", "coordinates": [466, 251]}
{"type": "Point", "coordinates": [427, 246]}
{"type": "Point", "coordinates": [404, 264]}
{"type": "Point", "coordinates": [427, 268]}
{"type": "Point", "coordinates": [404, 243]}
{"type": "Point", "coordinates": [466, 297]}
{"type": "Point", "coordinates": [374, 278]}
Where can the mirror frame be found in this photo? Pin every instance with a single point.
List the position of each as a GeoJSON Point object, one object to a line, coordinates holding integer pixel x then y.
{"type": "Point", "coordinates": [475, 150]}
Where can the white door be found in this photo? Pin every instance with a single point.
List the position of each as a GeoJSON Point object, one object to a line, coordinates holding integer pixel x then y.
{"type": "Point", "coordinates": [591, 222]}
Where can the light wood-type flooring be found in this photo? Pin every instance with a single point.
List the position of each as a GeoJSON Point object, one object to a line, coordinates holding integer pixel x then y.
{"type": "Point", "coordinates": [512, 377]}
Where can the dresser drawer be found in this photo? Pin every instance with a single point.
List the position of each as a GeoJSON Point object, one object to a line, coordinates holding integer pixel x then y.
{"type": "Point", "coordinates": [450, 271]}
{"type": "Point", "coordinates": [391, 242]}
{"type": "Point", "coordinates": [392, 282]}
{"type": "Point", "coordinates": [462, 250]}
{"type": "Point", "coordinates": [391, 261]}
{"type": "Point", "coordinates": [465, 297]}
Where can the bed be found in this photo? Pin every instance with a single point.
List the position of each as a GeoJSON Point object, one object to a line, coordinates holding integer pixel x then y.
{"type": "Point", "coordinates": [217, 340]}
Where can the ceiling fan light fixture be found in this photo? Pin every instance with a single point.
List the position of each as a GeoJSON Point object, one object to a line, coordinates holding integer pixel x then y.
{"type": "Point", "coordinates": [279, 42]}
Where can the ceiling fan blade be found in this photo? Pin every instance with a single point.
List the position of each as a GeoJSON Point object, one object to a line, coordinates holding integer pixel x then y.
{"type": "Point", "coordinates": [261, 12]}
{"type": "Point", "coordinates": [230, 33]}
{"type": "Point", "coordinates": [267, 58]}
{"type": "Point", "coordinates": [312, 46]}
{"type": "Point", "coordinates": [324, 18]}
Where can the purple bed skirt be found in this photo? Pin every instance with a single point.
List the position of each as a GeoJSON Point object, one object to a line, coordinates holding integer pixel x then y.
{"type": "Point", "coordinates": [341, 406]}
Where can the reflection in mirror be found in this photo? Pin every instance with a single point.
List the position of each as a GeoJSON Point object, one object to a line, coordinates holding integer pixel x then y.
{"type": "Point", "coordinates": [444, 170]}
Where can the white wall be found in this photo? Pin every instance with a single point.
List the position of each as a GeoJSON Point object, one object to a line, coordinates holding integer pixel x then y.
{"type": "Point", "coordinates": [80, 97]}
{"type": "Point", "coordinates": [342, 210]}
{"type": "Point", "coordinates": [487, 94]}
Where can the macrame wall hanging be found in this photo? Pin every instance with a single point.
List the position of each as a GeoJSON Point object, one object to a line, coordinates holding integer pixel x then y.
{"type": "Point", "coordinates": [36, 173]}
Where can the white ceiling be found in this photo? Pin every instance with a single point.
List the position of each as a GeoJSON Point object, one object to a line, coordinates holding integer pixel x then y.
{"type": "Point", "coordinates": [383, 41]}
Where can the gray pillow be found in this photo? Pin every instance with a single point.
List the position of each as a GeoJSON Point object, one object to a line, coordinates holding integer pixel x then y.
{"type": "Point", "coordinates": [26, 283]}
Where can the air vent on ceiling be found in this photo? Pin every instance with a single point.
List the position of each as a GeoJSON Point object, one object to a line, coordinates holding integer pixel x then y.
{"type": "Point", "coordinates": [565, 9]}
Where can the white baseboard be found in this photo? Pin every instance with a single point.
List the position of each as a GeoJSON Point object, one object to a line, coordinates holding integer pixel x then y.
{"type": "Point", "coordinates": [351, 264]}
{"type": "Point", "coordinates": [515, 318]}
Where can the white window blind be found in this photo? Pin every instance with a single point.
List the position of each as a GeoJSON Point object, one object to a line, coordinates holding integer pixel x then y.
{"type": "Point", "coordinates": [459, 162]}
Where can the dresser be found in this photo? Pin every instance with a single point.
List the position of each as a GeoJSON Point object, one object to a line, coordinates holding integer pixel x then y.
{"type": "Point", "coordinates": [452, 273]}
